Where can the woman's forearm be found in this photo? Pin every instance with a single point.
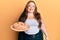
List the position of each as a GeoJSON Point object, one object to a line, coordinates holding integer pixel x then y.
{"type": "Point", "coordinates": [43, 28]}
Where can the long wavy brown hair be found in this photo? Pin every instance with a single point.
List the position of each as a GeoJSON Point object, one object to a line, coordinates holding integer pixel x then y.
{"type": "Point", "coordinates": [24, 15]}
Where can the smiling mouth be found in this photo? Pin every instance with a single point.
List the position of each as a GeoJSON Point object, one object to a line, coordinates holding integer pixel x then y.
{"type": "Point", "coordinates": [31, 9]}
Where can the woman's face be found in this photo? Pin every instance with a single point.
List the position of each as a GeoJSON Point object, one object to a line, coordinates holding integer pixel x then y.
{"type": "Point", "coordinates": [31, 7]}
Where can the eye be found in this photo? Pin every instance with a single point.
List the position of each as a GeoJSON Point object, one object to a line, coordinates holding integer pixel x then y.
{"type": "Point", "coordinates": [33, 6]}
{"type": "Point", "coordinates": [28, 5]}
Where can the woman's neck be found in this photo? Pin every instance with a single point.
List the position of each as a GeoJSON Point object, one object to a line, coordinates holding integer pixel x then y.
{"type": "Point", "coordinates": [30, 13]}
{"type": "Point", "coordinates": [30, 16]}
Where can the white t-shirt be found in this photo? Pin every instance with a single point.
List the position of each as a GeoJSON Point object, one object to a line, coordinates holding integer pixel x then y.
{"type": "Point", "coordinates": [33, 24]}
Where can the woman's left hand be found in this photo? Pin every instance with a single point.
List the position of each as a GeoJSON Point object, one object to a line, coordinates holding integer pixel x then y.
{"type": "Point", "coordinates": [47, 38]}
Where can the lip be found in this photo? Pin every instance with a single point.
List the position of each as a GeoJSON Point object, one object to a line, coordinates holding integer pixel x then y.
{"type": "Point", "coordinates": [31, 9]}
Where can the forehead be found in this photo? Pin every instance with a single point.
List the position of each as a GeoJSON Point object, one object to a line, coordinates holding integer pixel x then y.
{"type": "Point", "coordinates": [31, 3]}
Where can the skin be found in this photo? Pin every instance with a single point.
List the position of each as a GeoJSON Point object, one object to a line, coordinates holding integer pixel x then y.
{"type": "Point", "coordinates": [31, 8]}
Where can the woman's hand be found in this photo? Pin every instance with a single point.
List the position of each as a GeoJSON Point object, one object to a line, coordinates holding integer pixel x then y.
{"type": "Point", "coordinates": [47, 38]}
{"type": "Point", "coordinates": [19, 26]}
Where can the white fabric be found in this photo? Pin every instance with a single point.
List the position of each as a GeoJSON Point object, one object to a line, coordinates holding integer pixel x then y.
{"type": "Point", "coordinates": [33, 24]}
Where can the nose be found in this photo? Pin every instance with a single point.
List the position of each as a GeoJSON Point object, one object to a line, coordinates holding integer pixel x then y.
{"type": "Point", "coordinates": [31, 7]}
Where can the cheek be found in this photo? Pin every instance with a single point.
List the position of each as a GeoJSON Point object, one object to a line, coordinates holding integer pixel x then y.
{"type": "Point", "coordinates": [33, 8]}
{"type": "Point", "coordinates": [29, 8]}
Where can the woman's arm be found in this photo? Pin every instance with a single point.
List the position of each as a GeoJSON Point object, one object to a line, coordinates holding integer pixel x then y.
{"type": "Point", "coordinates": [43, 28]}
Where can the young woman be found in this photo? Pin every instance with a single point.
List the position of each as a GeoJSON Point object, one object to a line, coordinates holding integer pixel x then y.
{"type": "Point", "coordinates": [30, 24]}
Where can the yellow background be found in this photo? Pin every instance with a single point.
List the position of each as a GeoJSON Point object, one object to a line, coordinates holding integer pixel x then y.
{"type": "Point", "coordinates": [10, 11]}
